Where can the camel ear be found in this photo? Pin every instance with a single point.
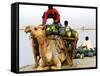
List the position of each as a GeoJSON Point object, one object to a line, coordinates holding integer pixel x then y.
{"type": "Point", "coordinates": [44, 27]}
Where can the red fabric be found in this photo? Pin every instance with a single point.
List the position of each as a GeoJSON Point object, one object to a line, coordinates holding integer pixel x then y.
{"type": "Point", "coordinates": [53, 13]}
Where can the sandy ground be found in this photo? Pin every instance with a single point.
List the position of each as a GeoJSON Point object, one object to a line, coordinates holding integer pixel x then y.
{"type": "Point", "coordinates": [77, 63]}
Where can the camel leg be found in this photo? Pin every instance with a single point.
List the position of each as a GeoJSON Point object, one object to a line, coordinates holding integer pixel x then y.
{"type": "Point", "coordinates": [57, 63]}
{"type": "Point", "coordinates": [68, 60]}
{"type": "Point", "coordinates": [42, 65]}
{"type": "Point", "coordinates": [34, 53]}
{"type": "Point", "coordinates": [61, 56]}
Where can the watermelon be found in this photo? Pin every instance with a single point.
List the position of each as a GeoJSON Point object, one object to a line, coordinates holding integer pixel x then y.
{"type": "Point", "coordinates": [68, 32]}
{"type": "Point", "coordinates": [85, 53]}
{"type": "Point", "coordinates": [82, 56]}
{"type": "Point", "coordinates": [77, 55]}
{"type": "Point", "coordinates": [79, 50]}
{"type": "Point", "coordinates": [74, 34]}
{"type": "Point", "coordinates": [90, 54]}
{"type": "Point", "coordinates": [55, 30]}
{"type": "Point", "coordinates": [94, 53]}
{"type": "Point", "coordinates": [48, 30]}
{"type": "Point", "coordinates": [62, 31]}
{"type": "Point", "coordinates": [53, 27]}
{"type": "Point", "coordinates": [67, 28]}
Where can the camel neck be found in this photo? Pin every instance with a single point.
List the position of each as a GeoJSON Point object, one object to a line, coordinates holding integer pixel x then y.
{"type": "Point", "coordinates": [41, 40]}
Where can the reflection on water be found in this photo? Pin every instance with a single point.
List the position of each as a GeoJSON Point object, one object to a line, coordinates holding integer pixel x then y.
{"type": "Point", "coordinates": [25, 48]}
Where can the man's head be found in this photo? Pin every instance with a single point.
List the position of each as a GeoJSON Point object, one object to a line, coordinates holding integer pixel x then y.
{"type": "Point", "coordinates": [50, 7]}
{"type": "Point", "coordinates": [86, 38]}
{"type": "Point", "coordinates": [66, 23]}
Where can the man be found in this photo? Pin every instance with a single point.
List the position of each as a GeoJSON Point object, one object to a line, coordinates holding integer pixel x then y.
{"type": "Point", "coordinates": [88, 48]}
{"type": "Point", "coordinates": [68, 28]}
{"type": "Point", "coordinates": [66, 23]}
{"type": "Point", "coordinates": [87, 43]}
{"type": "Point", "coordinates": [51, 13]}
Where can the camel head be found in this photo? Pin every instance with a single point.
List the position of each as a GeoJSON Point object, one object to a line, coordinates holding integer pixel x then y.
{"type": "Point", "coordinates": [37, 31]}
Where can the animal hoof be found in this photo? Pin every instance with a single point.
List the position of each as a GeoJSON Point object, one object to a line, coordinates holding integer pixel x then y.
{"type": "Point", "coordinates": [71, 64]}
{"type": "Point", "coordinates": [39, 68]}
{"type": "Point", "coordinates": [54, 67]}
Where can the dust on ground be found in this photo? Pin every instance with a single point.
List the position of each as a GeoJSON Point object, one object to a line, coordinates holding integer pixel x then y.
{"type": "Point", "coordinates": [77, 63]}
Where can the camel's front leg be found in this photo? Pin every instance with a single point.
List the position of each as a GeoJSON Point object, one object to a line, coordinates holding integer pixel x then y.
{"type": "Point", "coordinates": [42, 65]}
{"type": "Point", "coordinates": [57, 63]}
{"type": "Point", "coordinates": [35, 52]}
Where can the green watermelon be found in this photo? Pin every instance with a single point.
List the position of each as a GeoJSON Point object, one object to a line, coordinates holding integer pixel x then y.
{"type": "Point", "coordinates": [90, 54]}
{"type": "Point", "coordinates": [94, 52]}
{"type": "Point", "coordinates": [68, 33]}
{"type": "Point", "coordinates": [79, 50]}
{"type": "Point", "coordinates": [77, 55]}
{"type": "Point", "coordinates": [74, 34]}
{"type": "Point", "coordinates": [48, 30]}
{"type": "Point", "coordinates": [85, 53]}
{"type": "Point", "coordinates": [62, 31]}
{"type": "Point", "coordinates": [55, 30]}
{"type": "Point", "coordinates": [67, 28]}
{"type": "Point", "coordinates": [81, 56]}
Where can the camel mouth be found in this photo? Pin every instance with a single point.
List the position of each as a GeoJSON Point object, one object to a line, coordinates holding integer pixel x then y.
{"type": "Point", "coordinates": [26, 31]}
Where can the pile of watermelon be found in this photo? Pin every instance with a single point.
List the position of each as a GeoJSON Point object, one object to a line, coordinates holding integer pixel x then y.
{"type": "Point", "coordinates": [52, 30]}
{"type": "Point", "coordinates": [81, 53]}
{"type": "Point", "coordinates": [62, 31]}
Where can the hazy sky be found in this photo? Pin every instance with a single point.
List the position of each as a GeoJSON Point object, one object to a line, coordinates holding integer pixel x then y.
{"type": "Point", "coordinates": [76, 16]}
{"type": "Point", "coordinates": [32, 15]}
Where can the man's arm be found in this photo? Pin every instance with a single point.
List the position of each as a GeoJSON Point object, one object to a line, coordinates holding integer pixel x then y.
{"type": "Point", "coordinates": [57, 15]}
{"type": "Point", "coordinates": [44, 19]}
{"type": "Point", "coordinates": [84, 45]}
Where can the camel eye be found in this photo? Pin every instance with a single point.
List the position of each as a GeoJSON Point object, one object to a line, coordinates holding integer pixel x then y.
{"type": "Point", "coordinates": [35, 28]}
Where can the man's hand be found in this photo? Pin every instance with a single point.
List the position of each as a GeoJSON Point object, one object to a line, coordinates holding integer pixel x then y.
{"type": "Point", "coordinates": [55, 22]}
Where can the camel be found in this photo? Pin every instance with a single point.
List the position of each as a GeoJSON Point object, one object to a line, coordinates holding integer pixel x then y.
{"type": "Point", "coordinates": [35, 49]}
{"type": "Point", "coordinates": [50, 58]}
